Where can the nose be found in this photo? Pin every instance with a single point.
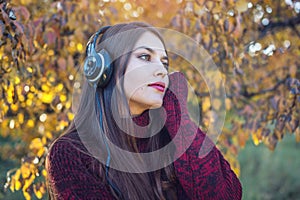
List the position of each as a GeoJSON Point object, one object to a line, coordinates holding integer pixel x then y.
{"type": "Point", "coordinates": [161, 71]}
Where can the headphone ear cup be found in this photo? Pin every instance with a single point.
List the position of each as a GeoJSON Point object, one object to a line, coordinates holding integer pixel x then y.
{"type": "Point", "coordinates": [107, 68]}
{"type": "Point", "coordinates": [97, 68]}
{"type": "Point", "coordinates": [93, 68]}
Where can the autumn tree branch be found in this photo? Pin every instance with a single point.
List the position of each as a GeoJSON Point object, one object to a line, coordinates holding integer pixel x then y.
{"type": "Point", "coordinates": [246, 94]}
{"type": "Point", "coordinates": [249, 95]}
{"type": "Point", "coordinates": [291, 22]}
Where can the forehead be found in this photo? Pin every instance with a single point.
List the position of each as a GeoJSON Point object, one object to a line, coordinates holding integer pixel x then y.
{"type": "Point", "coordinates": [150, 40]}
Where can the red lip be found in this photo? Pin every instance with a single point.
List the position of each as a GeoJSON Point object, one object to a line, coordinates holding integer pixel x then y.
{"type": "Point", "coordinates": [160, 86]}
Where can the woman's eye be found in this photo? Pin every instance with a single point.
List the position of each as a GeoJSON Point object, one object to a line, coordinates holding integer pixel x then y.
{"type": "Point", "coordinates": [147, 57]}
{"type": "Point", "coordinates": [166, 65]}
{"type": "Point", "coordinates": [144, 57]}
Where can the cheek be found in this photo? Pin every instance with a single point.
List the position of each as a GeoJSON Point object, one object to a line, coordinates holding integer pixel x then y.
{"type": "Point", "coordinates": [135, 79]}
{"type": "Point", "coordinates": [133, 84]}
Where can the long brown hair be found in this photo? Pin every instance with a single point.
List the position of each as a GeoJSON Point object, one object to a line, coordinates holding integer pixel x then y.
{"type": "Point", "coordinates": [158, 184]}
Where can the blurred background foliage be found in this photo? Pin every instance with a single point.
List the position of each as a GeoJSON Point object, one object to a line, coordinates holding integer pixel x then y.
{"type": "Point", "coordinates": [254, 43]}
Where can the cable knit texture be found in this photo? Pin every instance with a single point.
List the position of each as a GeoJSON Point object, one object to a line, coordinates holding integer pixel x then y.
{"type": "Point", "coordinates": [73, 174]}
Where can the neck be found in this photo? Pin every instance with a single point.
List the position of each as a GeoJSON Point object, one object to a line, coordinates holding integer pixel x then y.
{"type": "Point", "coordinates": [136, 109]}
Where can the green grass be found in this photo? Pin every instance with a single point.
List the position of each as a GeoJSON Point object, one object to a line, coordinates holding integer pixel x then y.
{"type": "Point", "coordinates": [8, 162]}
{"type": "Point", "coordinates": [7, 195]}
{"type": "Point", "coordinates": [267, 175]}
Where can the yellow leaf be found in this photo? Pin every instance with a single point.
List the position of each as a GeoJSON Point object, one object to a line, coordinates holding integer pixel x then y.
{"type": "Point", "coordinates": [12, 185]}
{"type": "Point", "coordinates": [44, 140]}
{"type": "Point", "coordinates": [217, 8]}
{"type": "Point", "coordinates": [43, 188]}
{"type": "Point", "coordinates": [241, 5]}
{"type": "Point", "coordinates": [79, 47]}
{"type": "Point", "coordinates": [70, 116]}
{"type": "Point", "coordinates": [228, 103]}
{"type": "Point", "coordinates": [46, 97]}
{"type": "Point", "coordinates": [255, 139]}
{"type": "Point", "coordinates": [217, 103]}
{"type": "Point", "coordinates": [32, 89]}
{"type": "Point", "coordinates": [5, 108]}
{"type": "Point", "coordinates": [23, 105]}
{"type": "Point", "coordinates": [41, 152]}
{"type": "Point", "coordinates": [17, 174]}
{"type": "Point", "coordinates": [21, 98]}
{"type": "Point", "coordinates": [297, 134]}
{"type": "Point", "coordinates": [36, 44]}
{"type": "Point", "coordinates": [17, 80]}
{"type": "Point", "coordinates": [44, 173]}
{"type": "Point", "coordinates": [36, 143]}
{"type": "Point", "coordinates": [28, 182]}
{"type": "Point", "coordinates": [45, 88]}
{"type": "Point", "coordinates": [25, 171]}
{"type": "Point", "coordinates": [26, 195]}
{"type": "Point", "coordinates": [237, 171]}
{"type": "Point", "coordinates": [206, 104]}
{"type": "Point", "coordinates": [29, 69]}
{"type": "Point", "coordinates": [25, 2]}
{"type": "Point", "coordinates": [21, 118]}
{"type": "Point", "coordinates": [30, 96]}
{"type": "Point", "coordinates": [18, 185]}
{"type": "Point", "coordinates": [38, 194]}
{"type": "Point", "coordinates": [62, 98]}
{"type": "Point", "coordinates": [30, 123]}
{"type": "Point", "coordinates": [68, 105]}
{"type": "Point", "coordinates": [39, 191]}
{"type": "Point", "coordinates": [14, 107]}
{"type": "Point", "coordinates": [10, 100]}
{"type": "Point", "coordinates": [62, 125]}
{"type": "Point", "coordinates": [48, 135]}
{"type": "Point", "coordinates": [59, 87]}
{"type": "Point", "coordinates": [28, 102]}
{"type": "Point", "coordinates": [50, 52]}
{"type": "Point", "coordinates": [233, 163]}
{"type": "Point", "coordinates": [293, 70]}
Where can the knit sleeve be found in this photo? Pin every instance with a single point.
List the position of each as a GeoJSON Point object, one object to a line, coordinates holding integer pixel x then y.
{"type": "Point", "coordinates": [70, 173]}
{"type": "Point", "coordinates": [207, 177]}
{"type": "Point", "coordinates": [201, 169]}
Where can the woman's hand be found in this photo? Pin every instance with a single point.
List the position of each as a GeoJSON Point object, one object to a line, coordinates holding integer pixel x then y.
{"type": "Point", "coordinates": [175, 102]}
{"type": "Point", "coordinates": [201, 169]}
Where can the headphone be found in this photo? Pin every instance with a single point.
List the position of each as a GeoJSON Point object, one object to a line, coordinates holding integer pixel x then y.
{"type": "Point", "coordinates": [97, 66]}
{"type": "Point", "coordinates": [98, 70]}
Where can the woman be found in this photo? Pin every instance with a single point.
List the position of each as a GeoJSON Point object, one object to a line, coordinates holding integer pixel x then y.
{"type": "Point", "coordinates": [134, 98]}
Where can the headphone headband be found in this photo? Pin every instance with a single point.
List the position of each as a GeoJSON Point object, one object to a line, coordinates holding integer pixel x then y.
{"type": "Point", "coordinates": [102, 30]}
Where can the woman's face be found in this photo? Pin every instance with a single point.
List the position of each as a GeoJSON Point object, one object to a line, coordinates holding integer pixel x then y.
{"type": "Point", "coordinates": [146, 76]}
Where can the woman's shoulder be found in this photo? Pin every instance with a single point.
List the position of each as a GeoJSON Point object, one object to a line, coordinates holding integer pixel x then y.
{"type": "Point", "coordinates": [72, 171]}
{"type": "Point", "coordinates": [67, 146]}
{"type": "Point", "coordinates": [68, 140]}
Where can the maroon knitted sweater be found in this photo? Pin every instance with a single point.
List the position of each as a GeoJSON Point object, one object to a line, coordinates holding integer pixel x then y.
{"type": "Point", "coordinates": [73, 174]}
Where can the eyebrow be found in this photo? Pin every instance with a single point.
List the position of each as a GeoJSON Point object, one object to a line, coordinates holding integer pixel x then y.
{"type": "Point", "coordinates": [151, 51]}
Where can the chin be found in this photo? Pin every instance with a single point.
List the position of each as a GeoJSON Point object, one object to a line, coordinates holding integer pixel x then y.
{"type": "Point", "coordinates": [156, 105]}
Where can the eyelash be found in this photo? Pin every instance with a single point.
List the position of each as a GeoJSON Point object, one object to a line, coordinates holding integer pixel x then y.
{"type": "Point", "coordinates": [166, 64]}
